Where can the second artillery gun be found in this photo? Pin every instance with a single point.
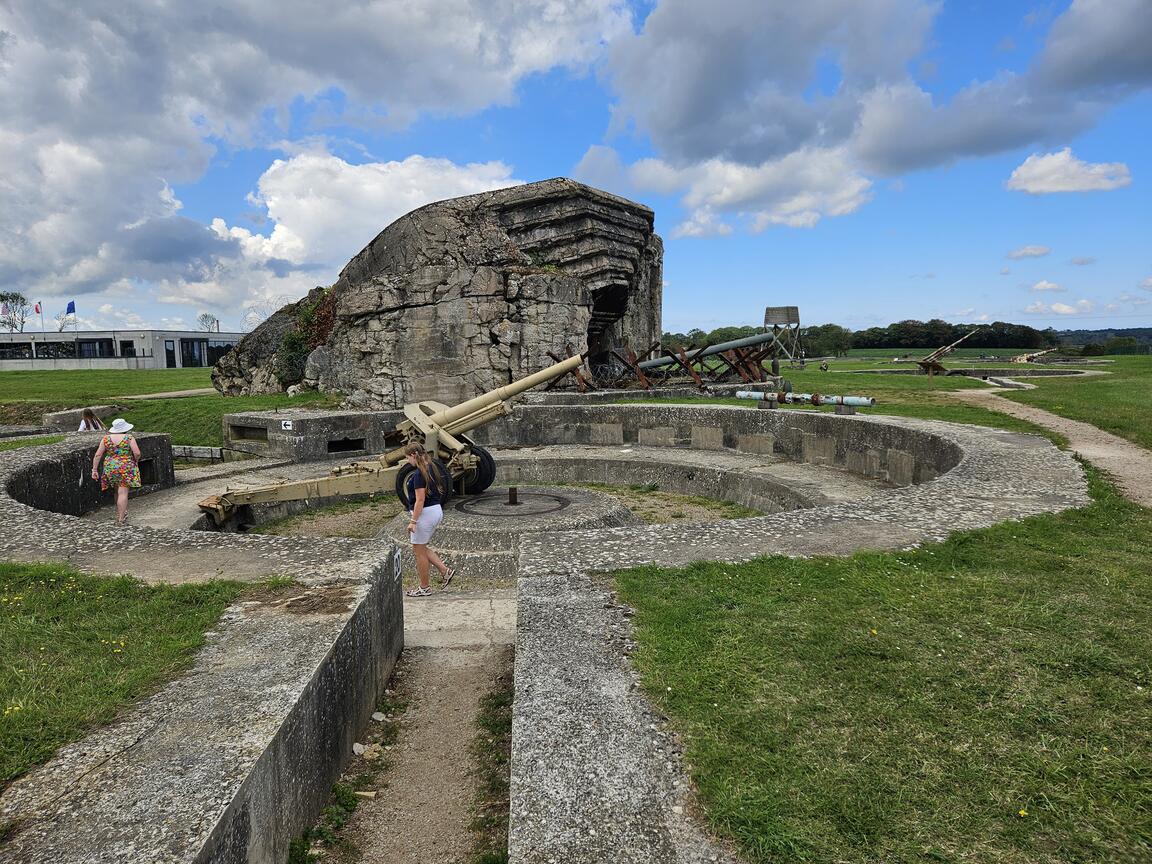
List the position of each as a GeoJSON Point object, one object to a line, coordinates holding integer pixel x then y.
{"type": "Point", "coordinates": [462, 464]}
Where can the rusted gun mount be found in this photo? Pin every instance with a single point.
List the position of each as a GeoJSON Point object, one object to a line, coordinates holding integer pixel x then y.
{"type": "Point", "coordinates": [930, 364]}
{"type": "Point", "coordinates": [461, 463]}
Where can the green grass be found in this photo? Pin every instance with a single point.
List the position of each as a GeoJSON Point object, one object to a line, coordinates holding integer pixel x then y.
{"type": "Point", "coordinates": [199, 419]}
{"type": "Point", "coordinates": [1120, 402]}
{"type": "Point", "coordinates": [492, 756]}
{"type": "Point", "coordinates": [77, 649]}
{"type": "Point", "coordinates": [91, 386]}
{"type": "Point", "coordinates": [986, 699]}
{"type": "Point", "coordinates": [29, 442]}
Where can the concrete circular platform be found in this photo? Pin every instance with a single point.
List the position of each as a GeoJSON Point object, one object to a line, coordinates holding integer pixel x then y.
{"type": "Point", "coordinates": [489, 523]}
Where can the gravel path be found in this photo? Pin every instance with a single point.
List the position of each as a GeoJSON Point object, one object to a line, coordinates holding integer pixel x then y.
{"type": "Point", "coordinates": [1129, 464]}
{"type": "Point", "coordinates": [457, 644]}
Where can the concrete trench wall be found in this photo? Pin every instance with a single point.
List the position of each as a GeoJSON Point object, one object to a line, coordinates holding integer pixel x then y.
{"type": "Point", "coordinates": [892, 453]}
{"type": "Point", "coordinates": [888, 452]}
{"type": "Point", "coordinates": [234, 759]}
{"type": "Point", "coordinates": [65, 484]}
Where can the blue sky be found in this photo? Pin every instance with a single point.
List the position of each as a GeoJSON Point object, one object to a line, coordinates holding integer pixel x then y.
{"type": "Point", "coordinates": [867, 160]}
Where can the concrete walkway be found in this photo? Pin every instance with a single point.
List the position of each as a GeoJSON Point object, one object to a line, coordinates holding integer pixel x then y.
{"type": "Point", "coordinates": [1129, 464]}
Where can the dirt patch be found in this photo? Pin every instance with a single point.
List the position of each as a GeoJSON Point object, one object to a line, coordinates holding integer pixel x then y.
{"type": "Point", "coordinates": [321, 600]}
{"type": "Point", "coordinates": [364, 519]}
{"type": "Point", "coordinates": [655, 507]}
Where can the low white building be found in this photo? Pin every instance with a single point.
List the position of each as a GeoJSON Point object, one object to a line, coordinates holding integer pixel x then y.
{"type": "Point", "coordinates": [114, 349]}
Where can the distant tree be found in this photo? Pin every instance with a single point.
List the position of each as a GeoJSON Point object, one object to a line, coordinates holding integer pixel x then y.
{"type": "Point", "coordinates": [1092, 349]}
{"type": "Point", "coordinates": [1122, 345]}
{"type": "Point", "coordinates": [14, 311]}
{"type": "Point", "coordinates": [261, 310]}
{"type": "Point", "coordinates": [62, 319]}
{"type": "Point", "coordinates": [827, 339]}
{"type": "Point", "coordinates": [208, 321]}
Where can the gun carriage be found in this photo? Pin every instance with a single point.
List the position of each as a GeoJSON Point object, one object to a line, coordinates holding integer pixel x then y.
{"type": "Point", "coordinates": [463, 465]}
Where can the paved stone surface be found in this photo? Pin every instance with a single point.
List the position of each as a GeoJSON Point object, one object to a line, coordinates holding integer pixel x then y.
{"type": "Point", "coordinates": [1129, 464]}
{"type": "Point", "coordinates": [457, 618]}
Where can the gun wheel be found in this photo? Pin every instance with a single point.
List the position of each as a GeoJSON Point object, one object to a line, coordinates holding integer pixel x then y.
{"type": "Point", "coordinates": [479, 478]}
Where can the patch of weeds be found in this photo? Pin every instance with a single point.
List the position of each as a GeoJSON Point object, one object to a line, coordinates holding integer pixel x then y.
{"type": "Point", "coordinates": [644, 488]}
{"type": "Point", "coordinates": [492, 752]}
{"type": "Point", "coordinates": [325, 839]}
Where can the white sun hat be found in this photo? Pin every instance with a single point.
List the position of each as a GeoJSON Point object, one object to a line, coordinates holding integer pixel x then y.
{"type": "Point", "coordinates": [119, 426]}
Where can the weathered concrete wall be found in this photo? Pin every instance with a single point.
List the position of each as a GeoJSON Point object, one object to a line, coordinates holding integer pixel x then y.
{"type": "Point", "coordinates": [891, 452]}
{"type": "Point", "coordinates": [65, 484]}
{"type": "Point", "coordinates": [68, 421]}
{"type": "Point", "coordinates": [305, 435]}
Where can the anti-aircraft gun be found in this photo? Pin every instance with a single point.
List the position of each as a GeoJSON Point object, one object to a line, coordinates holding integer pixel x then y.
{"type": "Point", "coordinates": [462, 464]}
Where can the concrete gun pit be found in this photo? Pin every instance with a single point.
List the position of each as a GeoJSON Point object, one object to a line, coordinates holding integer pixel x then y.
{"type": "Point", "coordinates": [594, 774]}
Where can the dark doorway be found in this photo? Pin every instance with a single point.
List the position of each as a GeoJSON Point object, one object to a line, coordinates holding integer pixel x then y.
{"type": "Point", "coordinates": [169, 354]}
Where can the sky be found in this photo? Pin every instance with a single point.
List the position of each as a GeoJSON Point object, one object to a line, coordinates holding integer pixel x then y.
{"type": "Point", "coordinates": [866, 160]}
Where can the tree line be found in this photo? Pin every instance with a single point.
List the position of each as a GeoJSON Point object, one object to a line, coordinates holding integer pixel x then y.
{"type": "Point", "coordinates": [834, 340]}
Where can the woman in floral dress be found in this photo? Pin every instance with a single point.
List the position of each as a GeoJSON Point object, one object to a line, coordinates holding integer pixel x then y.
{"type": "Point", "coordinates": [121, 456]}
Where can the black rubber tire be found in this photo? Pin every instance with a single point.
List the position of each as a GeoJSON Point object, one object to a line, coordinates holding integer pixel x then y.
{"type": "Point", "coordinates": [442, 473]}
{"type": "Point", "coordinates": [481, 477]}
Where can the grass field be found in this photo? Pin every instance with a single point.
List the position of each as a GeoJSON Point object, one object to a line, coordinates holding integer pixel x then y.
{"type": "Point", "coordinates": [77, 649]}
{"type": "Point", "coordinates": [90, 386]}
{"type": "Point", "coordinates": [982, 700]}
{"type": "Point", "coordinates": [199, 419]}
{"type": "Point", "coordinates": [1119, 402]}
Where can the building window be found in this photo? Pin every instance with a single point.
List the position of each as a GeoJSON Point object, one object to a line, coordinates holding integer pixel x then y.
{"type": "Point", "coordinates": [192, 352]}
{"type": "Point", "coordinates": [56, 350]}
{"type": "Point", "coordinates": [15, 350]}
{"type": "Point", "coordinates": [127, 348]}
{"type": "Point", "coordinates": [217, 348]}
{"type": "Point", "coordinates": [95, 348]}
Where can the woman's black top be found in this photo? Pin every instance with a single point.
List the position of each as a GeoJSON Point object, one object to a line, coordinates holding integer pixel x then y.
{"type": "Point", "coordinates": [416, 481]}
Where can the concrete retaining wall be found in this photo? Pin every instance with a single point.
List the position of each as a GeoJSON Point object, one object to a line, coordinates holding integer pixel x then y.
{"type": "Point", "coordinates": [65, 484]}
{"type": "Point", "coordinates": [891, 453]}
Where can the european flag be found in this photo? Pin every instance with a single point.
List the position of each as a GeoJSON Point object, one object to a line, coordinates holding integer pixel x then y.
{"type": "Point", "coordinates": [71, 310]}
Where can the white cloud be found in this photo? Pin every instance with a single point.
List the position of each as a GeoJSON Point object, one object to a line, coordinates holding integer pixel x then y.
{"type": "Point", "coordinates": [1045, 285]}
{"type": "Point", "coordinates": [796, 191]}
{"type": "Point", "coordinates": [1063, 172]}
{"type": "Point", "coordinates": [1082, 261]}
{"type": "Point", "coordinates": [1133, 300]}
{"type": "Point", "coordinates": [1082, 307]}
{"type": "Point", "coordinates": [1146, 284]}
{"type": "Point", "coordinates": [323, 211]}
{"type": "Point", "coordinates": [1029, 252]}
{"type": "Point", "coordinates": [107, 109]}
{"type": "Point", "coordinates": [1004, 271]}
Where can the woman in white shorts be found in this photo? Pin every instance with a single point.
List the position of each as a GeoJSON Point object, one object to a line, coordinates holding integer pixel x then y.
{"type": "Point", "coordinates": [425, 496]}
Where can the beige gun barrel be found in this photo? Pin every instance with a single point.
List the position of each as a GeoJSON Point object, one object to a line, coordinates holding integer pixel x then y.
{"type": "Point", "coordinates": [506, 392]}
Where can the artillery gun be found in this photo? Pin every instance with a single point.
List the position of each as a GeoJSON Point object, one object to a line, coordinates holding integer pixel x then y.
{"type": "Point", "coordinates": [461, 463]}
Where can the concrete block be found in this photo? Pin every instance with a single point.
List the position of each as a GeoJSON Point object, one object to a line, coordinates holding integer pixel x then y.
{"type": "Point", "coordinates": [657, 436]}
{"type": "Point", "coordinates": [707, 438]}
{"type": "Point", "coordinates": [756, 444]}
{"type": "Point", "coordinates": [606, 433]}
{"type": "Point", "coordinates": [818, 449]}
{"type": "Point", "coordinates": [901, 467]}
